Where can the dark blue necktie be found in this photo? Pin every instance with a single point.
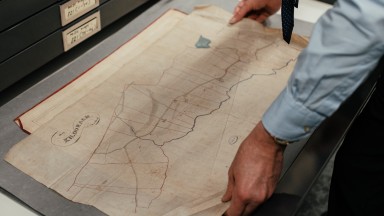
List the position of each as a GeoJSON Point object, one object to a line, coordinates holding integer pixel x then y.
{"type": "Point", "coordinates": [287, 17]}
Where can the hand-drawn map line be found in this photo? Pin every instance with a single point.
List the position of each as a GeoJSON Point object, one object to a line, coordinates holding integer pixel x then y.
{"type": "Point", "coordinates": [121, 107]}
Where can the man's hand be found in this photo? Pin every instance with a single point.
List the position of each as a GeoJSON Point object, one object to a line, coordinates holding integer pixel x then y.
{"type": "Point", "coordinates": [254, 172]}
{"type": "Point", "coordinates": [258, 10]}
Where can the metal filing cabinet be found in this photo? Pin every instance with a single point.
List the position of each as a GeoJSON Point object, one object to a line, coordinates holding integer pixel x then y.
{"type": "Point", "coordinates": [34, 32]}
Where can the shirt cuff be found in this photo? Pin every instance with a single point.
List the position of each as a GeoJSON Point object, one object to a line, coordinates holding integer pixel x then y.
{"type": "Point", "coordinates": [289, 119]}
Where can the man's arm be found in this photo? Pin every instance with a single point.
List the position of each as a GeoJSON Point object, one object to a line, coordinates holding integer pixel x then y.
{"type": "Point", "coordinates": [345, 45]}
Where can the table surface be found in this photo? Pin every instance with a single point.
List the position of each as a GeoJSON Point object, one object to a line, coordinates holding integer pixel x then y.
{"type": "Point", "coordinates": [43, 82]}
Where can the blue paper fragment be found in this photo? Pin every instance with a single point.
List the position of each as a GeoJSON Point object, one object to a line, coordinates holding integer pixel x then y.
{"type": "Point", "coordinates": [202, 42]}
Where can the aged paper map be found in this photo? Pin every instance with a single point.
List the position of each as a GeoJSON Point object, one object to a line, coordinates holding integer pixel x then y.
{"type": "Point", "coordinates": [157, 134]}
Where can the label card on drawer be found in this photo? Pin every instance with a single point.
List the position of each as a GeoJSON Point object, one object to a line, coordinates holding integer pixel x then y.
{"type": "Point", "coordinates": [73, 9]}
{"type": "Point", "coordinates": [81, 31]}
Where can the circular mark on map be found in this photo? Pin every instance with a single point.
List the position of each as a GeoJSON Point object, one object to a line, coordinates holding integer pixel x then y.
{"type": "Point", "coordinates": [233, 139]}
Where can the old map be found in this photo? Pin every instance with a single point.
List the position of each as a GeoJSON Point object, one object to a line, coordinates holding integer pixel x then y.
{"type": "Point", "coordinates": [157, 135]}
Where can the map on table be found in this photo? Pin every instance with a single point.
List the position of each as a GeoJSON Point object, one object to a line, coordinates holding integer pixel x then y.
{"type": "Point", "coordinates": [152, 129]}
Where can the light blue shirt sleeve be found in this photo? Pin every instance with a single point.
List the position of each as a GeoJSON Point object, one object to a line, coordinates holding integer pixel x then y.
{"type": "Point", "coordinates": [346, 44]}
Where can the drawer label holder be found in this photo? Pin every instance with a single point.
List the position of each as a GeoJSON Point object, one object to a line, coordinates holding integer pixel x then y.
{"type": "Point", "coordinates": [74, 9]}
{"type": "Point", "coordinates": [81, 31]}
